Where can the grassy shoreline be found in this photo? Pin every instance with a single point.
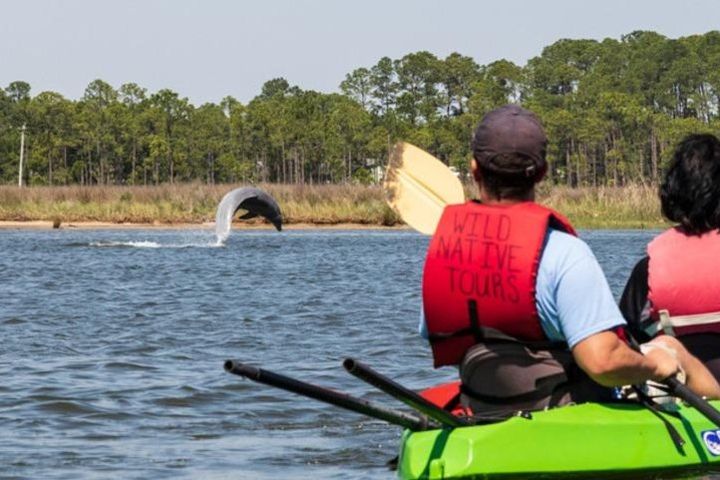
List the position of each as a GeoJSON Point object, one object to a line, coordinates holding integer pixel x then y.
{"type": "Point", "coordinates": [192, 204]}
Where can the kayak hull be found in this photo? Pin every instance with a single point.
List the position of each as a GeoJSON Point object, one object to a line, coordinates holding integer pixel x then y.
{"type": "Point", "coordinates": [587, 439]}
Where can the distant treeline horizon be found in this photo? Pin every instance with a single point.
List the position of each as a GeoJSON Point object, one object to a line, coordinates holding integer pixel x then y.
{"type": "Point", "coordinates": [613, 111]}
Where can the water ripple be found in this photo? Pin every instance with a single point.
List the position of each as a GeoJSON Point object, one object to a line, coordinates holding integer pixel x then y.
{"type": "Point", "coordinates": [113, 344]}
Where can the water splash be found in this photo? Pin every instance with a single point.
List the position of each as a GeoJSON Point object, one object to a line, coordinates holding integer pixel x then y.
{"type": "Point", "coordinates": [139, 244]}
{"type": "Point", "coordinates": [223, 219]}
{"type": "Point", "coordinates": [149, 244]}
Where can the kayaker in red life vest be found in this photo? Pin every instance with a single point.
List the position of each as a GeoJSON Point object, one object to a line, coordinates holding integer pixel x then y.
{"type": "Point", "coordinates": [675, 290]}
{"type": "Point", "coordinates": [514, 298]}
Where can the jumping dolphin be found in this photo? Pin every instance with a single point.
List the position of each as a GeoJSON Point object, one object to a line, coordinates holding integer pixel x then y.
{"type": "Point", "coordinates": [252, 199]}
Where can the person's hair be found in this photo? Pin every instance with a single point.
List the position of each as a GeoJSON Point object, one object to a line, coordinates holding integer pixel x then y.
{"type": "Point", "coordinates": [506, 185]}
{"type": "Point", "coordinates": [690, 192]}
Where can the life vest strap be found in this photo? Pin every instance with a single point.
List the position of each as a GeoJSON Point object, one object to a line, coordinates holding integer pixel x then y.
{"type": "Point", "coordinates": [475, 321]}
{"type": "Point", "coordinates": [668, 323]}
{"type": "Point", "coordinates": [491, 335]}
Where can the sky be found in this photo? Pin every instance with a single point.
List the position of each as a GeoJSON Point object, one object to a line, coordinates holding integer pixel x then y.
{"type": "Point", "coordinates": [208, 49]}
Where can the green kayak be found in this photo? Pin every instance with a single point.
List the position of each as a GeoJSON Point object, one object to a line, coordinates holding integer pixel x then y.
{"type": "Point", "coordinates": [589, 439]}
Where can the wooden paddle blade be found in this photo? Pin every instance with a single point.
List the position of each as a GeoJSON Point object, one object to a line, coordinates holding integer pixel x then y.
{"type": "Point", "coordinates": [418, 186]}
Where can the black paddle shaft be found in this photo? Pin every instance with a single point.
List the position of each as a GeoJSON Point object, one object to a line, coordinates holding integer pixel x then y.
{"type": "Point", "coordinates": [678, 389]}
{"type": "Point", "coordinates": [408, 397]}
{"type": "Point", "coordinates": [342, 400]}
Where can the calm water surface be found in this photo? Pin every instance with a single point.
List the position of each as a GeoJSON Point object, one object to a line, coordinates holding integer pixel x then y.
{"type": "Point", "coordinates": [113, 344]}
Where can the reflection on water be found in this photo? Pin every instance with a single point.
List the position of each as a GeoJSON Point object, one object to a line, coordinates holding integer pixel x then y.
{"type": "Point", "coordinates": [113, 344]}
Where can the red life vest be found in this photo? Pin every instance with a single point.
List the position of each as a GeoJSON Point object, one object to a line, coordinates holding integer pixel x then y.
{"type": "Point", "coordinates": [480, 273]}
{"type": "Point", "coordinates": [683, 280]}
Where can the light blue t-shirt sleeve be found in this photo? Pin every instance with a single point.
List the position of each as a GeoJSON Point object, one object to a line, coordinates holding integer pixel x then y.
{"type": "Point", "coordinates": [573, 297]}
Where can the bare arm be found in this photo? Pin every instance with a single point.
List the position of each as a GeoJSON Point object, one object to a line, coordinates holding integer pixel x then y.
{"type": "Point", "coordinates": [699, 378]}
{"type": "Point", "coordinates": [611, 362]}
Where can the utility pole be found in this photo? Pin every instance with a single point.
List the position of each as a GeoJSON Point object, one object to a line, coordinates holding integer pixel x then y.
{"type": "Point", "coordinates": [22, 154]}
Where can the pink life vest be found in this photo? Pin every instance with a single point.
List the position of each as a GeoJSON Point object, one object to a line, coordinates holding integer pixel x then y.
{"type": "Point", "coordinates": [684, 282]}
{"type": "Point", "coordinates": [480, 273]}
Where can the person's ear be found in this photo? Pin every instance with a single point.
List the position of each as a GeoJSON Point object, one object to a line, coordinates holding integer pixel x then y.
{"type": "Point", "coordinates": [475, 170]}
{"type": "Point", "coordinates": [541, 173]}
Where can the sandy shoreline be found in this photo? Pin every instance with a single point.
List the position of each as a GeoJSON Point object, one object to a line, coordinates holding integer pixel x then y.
{"type": "Point", "coordinates": [48, 225]}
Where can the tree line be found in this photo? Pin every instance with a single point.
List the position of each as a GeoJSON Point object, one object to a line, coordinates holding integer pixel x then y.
{"type": "Point", "coordinates": [613, 110]}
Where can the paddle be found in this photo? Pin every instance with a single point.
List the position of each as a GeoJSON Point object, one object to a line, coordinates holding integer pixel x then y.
{"type": "Point", "coordinates": [343, 400]}
{"type": "Point", "coordinates": [408, 397]}
{"type": "Point", "coordinates": [678, 389]}
{"type": "Point", "coordinates": [418, 186]}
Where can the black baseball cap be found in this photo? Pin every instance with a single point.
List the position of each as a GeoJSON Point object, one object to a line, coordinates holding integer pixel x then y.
{"type": "Point", "coordinates": [511, 129]}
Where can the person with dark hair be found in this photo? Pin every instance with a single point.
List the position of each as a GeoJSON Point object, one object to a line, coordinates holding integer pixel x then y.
{"type": "Point", "coordinates": [674, 289]}
{"type": "Point", "coordinates": [513, 297]}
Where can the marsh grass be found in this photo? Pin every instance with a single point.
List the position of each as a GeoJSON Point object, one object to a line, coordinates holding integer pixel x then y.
{"type": "Point", "coordinates": [633, 206]}
{"type": "Point", "coordinates": [190, 203]}
{"type": "Point", "coordinates": [627, 207]}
